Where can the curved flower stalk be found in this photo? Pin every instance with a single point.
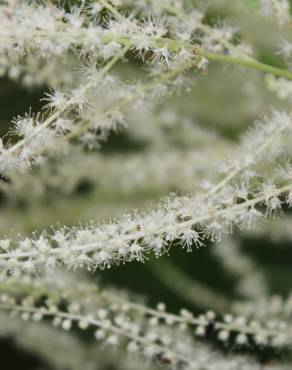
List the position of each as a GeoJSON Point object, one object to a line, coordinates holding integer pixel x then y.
{"type": "Point", "coordinates": [120, 322]}
{"type": "Point", "coordinates": [169, 141]}
{"type": "Point", "coordinates": [264, 141]}
{"type": "Point", "coordinates": [40, 135]}
{"type": "Point", "coordinates": [71, 31]}
{"type": "Point", "coordinates": [187, 220]}
{"type": "Point", "coordinates": [158, 346]}
{"type": "Point", "coordinates": [76, 30]}
{"type": "Point", "coordinates": [101, 247]}
{"type": "Point", "coordinates": [42, 339]}
{"type": "Point", "coordinates": [76, 116]}
{"type": "Point", "coordinates": [184, 18]}
{"type": "Point", "coordinates": [79, 28]}
{"type": "Point", "coordinates": [84, 107]}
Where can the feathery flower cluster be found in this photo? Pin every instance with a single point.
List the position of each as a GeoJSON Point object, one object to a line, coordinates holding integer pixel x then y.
{"type": "Point", "coordinates": [107, 66]}
{"type": "Point", "coordinates": [187, 220]}
{"type": "Point", "coordinates": [152, 168]}
{"type": "Point", "coordinates": [102, 42]}
{"type": "Point", "coordinates": [145, 330]}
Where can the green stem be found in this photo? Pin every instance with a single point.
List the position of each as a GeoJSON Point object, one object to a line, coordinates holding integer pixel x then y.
{"type": "Point", "coordinates": [250, 63]}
